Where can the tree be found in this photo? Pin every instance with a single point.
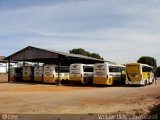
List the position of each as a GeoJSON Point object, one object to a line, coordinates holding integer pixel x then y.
{"type": "Point", "coordinates": [95, 55]}
{"type": "Point", "coordinates": [148, 60]}
{"type": "Point", "coordinates": [81, 51]}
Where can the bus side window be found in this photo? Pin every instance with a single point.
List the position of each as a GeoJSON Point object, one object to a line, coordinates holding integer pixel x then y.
{"type": "Point", "coordinates": [146, 69]}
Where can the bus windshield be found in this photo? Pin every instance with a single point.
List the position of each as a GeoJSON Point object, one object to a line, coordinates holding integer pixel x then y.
{"type": "Point", "coordinates": [114, 69]}
{"type": "Point", "coordinates": [133, 68]}
{"type": "Point", "coordinates": [88, 68]}
{"type": "Point", "coordinates": [63, 69]}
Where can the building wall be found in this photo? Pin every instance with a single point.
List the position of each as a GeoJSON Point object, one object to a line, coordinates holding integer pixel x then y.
{"type": "Point", "coordinates": [4, 67]}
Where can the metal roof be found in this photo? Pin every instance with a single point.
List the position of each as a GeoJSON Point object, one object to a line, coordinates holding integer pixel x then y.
{"type": "Point", "coordinates": [34, 54]}
{"type": "Point", "coordinates": [74, 55]}
{"type": "Point", "coordinates": [1, 59]}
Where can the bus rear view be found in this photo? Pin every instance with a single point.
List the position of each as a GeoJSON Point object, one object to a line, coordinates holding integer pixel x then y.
{"type": "Point", "coordinates": [140, 74]}
{"type": "Point", "coordinates": [81, 73]}
{"type": "Point", "coordinates": [133, 72]}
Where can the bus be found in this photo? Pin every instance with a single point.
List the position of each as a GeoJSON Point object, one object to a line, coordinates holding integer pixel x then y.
{"type": "Point", "coordinates": [64, 74]}
{"type": "Point", "coordinates": [28, 73]}
{"type": "Point", "coordinates": [12, 74]}
{"type": "Point", "coordinates": [38, 73]}
{"type": "Point", "coordinates": [50, 74]}
{"type": "Point", "coordinates": [16, 73]}
{"type": "Point", "coordinates": [108, 74]}
{"type": "Point", "coordinates": [140, 74]}
{"type": "Point", "coordinates": [81, 73]}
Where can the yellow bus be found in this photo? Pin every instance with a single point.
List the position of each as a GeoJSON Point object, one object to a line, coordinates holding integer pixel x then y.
{"type": "Point", "coordinates": [108, 74]}
{"type": "Point", "coordinates": [81, 73]}
{"type": "Point", "coordinates": [28, 73]}
{"type": "Point", "coordinates": [64, 74]}
{"type": "Point", "coordinates": [140, 74]}
{"type": "Point", "coordinates": [50, 74]}
{"type": "Point", "coordinates": [38, 73]}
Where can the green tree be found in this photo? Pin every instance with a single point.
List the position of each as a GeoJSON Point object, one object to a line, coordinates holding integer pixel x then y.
{"type": "Point", "coordinates": [95, 55]}
{"type": "Point", "coordinates": [81, 51]}
{"type": "Point", "coordinates": [148, 60]}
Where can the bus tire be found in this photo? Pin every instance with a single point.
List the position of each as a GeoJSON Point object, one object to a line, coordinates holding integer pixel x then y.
{"type": "Point", "coordinates": [66, 81]}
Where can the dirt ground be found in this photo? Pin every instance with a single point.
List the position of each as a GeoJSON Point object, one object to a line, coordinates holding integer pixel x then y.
{"type": "Point", "coordinates": [32, 98]}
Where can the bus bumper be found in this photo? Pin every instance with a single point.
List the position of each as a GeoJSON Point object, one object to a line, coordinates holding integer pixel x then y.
{"type": "Point", "coordinates": [135, 83]}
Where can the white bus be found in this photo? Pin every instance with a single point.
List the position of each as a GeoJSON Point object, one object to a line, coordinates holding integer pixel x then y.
{"type": "Point", "coordinates": [51, 74]}
{"type": "Point", "coordinates": [38, 73]}
{"type": "Point", "coordinates": [28, 73]}
{"type": "Point", "coordinates": [12, 74]}
{"type": "Point", "coordinates": [108, 74]}
{"type": "Point", "coordinates": [140, 74]}
{"type": "Point", "coordinates": [82, 73]}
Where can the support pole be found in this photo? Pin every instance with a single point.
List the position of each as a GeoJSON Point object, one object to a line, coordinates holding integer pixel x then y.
{"type": "Point", "coordinates": [59, 70]}
{"type": "Point", "coordinates": [23, 63]}
{"type": "Point", "coordinates": [6, 67]}
{"type": "Point", "coordinates": [9, 70]}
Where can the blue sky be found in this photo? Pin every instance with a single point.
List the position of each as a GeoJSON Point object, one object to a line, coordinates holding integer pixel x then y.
{"type": "Point", "coordinates": [119, 30]}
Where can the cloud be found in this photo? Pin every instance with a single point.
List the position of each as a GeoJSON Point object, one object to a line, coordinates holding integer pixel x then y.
{"type": "Point", "coordinates": [121, 31]}
{"type": "Point", "coordinates": [62, 17]}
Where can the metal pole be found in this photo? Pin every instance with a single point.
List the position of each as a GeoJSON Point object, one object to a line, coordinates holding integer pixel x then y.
{"type": "Point", "coordinates": [23, 63]}
{"type": "Point", "coordinates": [59, 70]}
{"type": "Point", "coordinates": [6, 66]}
{"type": "Point", "coordinates": [9, 70]}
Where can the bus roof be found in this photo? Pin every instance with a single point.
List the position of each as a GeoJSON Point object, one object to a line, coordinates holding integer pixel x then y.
{"type": "Point", "coordinates": [139, 64]}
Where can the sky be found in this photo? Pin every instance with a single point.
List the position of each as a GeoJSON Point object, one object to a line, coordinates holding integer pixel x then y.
{"type": "Point", "coordinates": [119, 30]}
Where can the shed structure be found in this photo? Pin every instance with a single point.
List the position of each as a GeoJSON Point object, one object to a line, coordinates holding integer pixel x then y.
{"type": "Point", "coordinates": [34, 54]}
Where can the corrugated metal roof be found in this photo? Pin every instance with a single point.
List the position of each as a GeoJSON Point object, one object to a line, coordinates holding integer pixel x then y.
{"type": "Point", "coordinates": [66, 55]}
{"type": "Point", "coordinates": [1, 59]}
{"type": "Point", "coordinates": [73, 55]}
